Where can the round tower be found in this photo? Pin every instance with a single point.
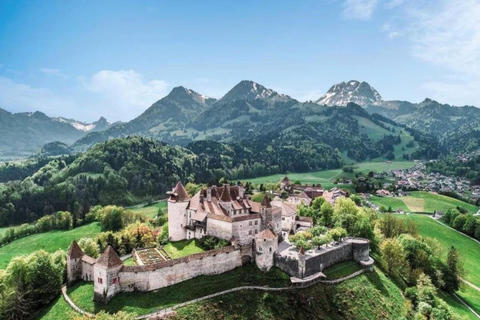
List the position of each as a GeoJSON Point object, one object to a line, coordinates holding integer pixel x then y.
{"type": "Point", "coordinates": [266, 244]}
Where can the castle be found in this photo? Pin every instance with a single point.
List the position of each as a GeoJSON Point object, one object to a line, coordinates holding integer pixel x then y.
{"type": "Point", "coordinates": [255, 230]}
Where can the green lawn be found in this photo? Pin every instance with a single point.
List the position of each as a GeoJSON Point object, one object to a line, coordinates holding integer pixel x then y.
{"type": "Point", "coordinates": [324, 177]}
{"type": "Point", "coordinates": [49, 241]}
{"type": "Point", "coordinates": [58, 309]}
{"type": "Point", "coordinates": [143, 303]}
{"type": "Point", "coordinates": [469, 249]}
{"type": "Point", "coordinates": [342, 269]}
{"type": "Point", "coordinates": [471, 297]}
{"type": "Point", "coordinates": [182, 248]}
{"type": "Point", "coordinates": [422, 201]}
{"type": "Point", "coordinates": [150, 211]}
{"type": "Point", "coordinates": [395, 203]}
{"type": "Point", "coordinates": [457, 306]}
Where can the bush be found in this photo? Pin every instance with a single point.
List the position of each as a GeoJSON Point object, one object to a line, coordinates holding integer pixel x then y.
{"type": "Point", "coordinates": [211, 242]}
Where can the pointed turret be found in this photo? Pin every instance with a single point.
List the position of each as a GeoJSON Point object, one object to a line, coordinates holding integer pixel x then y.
{"type": "Point", "coordinates": [74, 252]}
{"type": "Point", "coordinates": [225, 196]}
{"type": "Point", "coordinates": [266, 201]}
{"type": "Point", "coordinates": [109, 259]}
{"type": "Point", "coordinates": [179, 193]}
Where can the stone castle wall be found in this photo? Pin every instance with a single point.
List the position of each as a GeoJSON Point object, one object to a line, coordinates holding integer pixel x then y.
{"type": "Point", "coordinates": [349, 249]}
{"type": "Point", "coordinates": [167, 273]}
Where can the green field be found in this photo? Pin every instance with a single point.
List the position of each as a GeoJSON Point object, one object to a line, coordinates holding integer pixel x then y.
{"type": "Point", "coordinates": [182, 248]}
{"type": "Point", "coordinates": [422, 201]}
{"type": "Point", "coordinates": [457, 306]}
{"type": "Point", "coordinates": [151, 210]}
{"type": "Point", "coordinates": [49, 241]}
{"type": "Point", "coordinates": [341, 270]}
{"type": "Point", "coordinates": [468, 248]}
{"type": "Point", "coordinates": [324, 177]}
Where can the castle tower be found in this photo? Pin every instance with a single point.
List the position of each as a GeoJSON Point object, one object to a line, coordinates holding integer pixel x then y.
{"type": "Point", "coordinates": [74, 263]}
{"type": "Point", "coordinates": [301, 262]}
{"type": "Point", "coordinates": [177, 212]}
{"type": "Point", "coordinates": [266, 244]}
{"type": "Point", "coordinates": [105, 275]}
{"type": "Point", "coordinates": [271, 217]}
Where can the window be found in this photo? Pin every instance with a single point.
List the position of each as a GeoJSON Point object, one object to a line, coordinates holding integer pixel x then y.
{"type": "Point", "coordinates": [256, 231]}
{"type": "Point", "coordinates": [256, 222]}
{"type": "Point", "coordinates": [114, 280]}
{"type": "Point", "coordinates": [99, 280]}
{"type": "Point", "coordinates": [250, 223]}
{"type": "Point", "coordinates": [283, 219]}
{"type": "Point", "coordinates": [250, 232]}
{"type": "Point", "coordinates": [270, 249]}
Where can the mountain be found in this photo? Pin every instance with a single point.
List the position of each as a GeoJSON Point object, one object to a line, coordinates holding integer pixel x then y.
{"type": "Point", "coordinates": [99, 125]}
{"type": "Point", "coordinates": [22, 134]}
{"type": "Point", "coordinates": [457, 128]}
{"type": "Point", "coordinates": [249, 90]}
{"type": "Point", "coordinates": [342, 93]}
{"type": "Point", "coordinates": [260, 118]}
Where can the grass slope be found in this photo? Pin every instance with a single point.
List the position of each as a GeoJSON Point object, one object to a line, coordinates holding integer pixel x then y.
{"type": "Point", "coordinates": [151, 210]}
{"type": "Point", "coordinates": [325, 177]}
{"type": "Point", "coordinates": [342, 269]}
{"type": "Point", "coordinates": [368, 296]}
{"type": "Point", "coordinates": [469, 250]}
{"type": "Point", "coordinates": [143, 303]}
{"type": "Point", "coordinates": [422, 201]}
{"type": "Point", "coordinates": [49, 241]}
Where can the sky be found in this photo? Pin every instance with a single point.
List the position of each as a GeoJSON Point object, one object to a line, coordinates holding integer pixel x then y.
{"type": "Point", "coordinates": [84, 59]}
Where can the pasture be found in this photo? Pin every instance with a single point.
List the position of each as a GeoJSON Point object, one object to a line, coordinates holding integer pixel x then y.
{"type": "Point", "coordinates": [325, 177]}
{"type": "Point", "coordinates": [49, 241]}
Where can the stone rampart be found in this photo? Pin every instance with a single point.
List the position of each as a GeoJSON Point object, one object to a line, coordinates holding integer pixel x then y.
{"type": "Point", "coordinates": [167, 273]}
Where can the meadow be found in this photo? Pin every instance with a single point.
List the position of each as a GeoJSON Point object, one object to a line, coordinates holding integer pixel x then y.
{"type": "Point", "coordinates": [422, 201]}
{"type": "Point", "coordinates": [468, 248]}
{"type": "Point", "coordinates": [49, 241]}
{"type": "Point", "coordinates": [325, 177]}
{"type": "Point", "coordinates": [149, 210]}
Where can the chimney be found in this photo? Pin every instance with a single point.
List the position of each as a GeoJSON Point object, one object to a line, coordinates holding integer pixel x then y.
{"type": "Point", "coordinates": [209, 194]}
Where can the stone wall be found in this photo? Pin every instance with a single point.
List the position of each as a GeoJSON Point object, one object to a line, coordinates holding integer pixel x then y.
{"type": "Point", "coordinates": [167, 273]}
{"type": "Point", "coordinates": [317, 260]}
{"type": "Point", "coordinates": [219, 228]}
{"type": "Point", "coordinates": [87, 271]}
{"type": "Point", "coordinates": [245, 228]}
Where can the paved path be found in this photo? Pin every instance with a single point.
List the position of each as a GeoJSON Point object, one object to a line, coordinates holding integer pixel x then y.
{"type": "Point", "coordinates": [166, 311]}
{"type": "Point", "coordinates": [470, 284]}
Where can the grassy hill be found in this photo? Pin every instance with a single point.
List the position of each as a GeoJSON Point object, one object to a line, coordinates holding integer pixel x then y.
{"type": "Point", "coordinates": [351, 299]}
{"type": "Point", "coordinates": [468, 248]}
{"type": "Point", "coordinates": [324, 177]}
{"type": "Point", "coordinates": [49, 241]}
{"type": "Point", "coordinates": [422, 201]}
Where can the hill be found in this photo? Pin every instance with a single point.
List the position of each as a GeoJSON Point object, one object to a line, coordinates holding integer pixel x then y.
{"type": "Point", "coordinates": [260, 118]}
{"type": "Point", "coordinates": [22, 134]}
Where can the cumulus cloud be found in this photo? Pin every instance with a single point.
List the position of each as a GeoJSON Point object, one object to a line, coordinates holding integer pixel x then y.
{"type": "Point", "coordinates": [359, 9]}
{"type": "Point", "coordinates": [125, 91]}
{"type": "Point", "coordinates": [22, 97]}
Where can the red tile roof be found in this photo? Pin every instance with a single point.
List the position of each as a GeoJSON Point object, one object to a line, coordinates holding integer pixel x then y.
{"type": "Point", "coordinates": [74, 252]}
{"type": "Point", "coordinates": [266, 201]}
{"type": "Point", "coordinates": [266, 234]}
{"type": "Point", "coordinates": [109, 259]}
{"type": "Point", "coordinates": [179, 192]}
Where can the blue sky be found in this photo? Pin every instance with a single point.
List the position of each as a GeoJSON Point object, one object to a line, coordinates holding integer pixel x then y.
{"type": "Point", "coordinates": [85, 59]}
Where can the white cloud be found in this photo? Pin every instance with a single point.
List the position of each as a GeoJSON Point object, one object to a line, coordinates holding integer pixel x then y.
{"type": "Point", "coordinates": [359, 9]}
{"type": "Point", "coordinates": [448, 34]}
{"type": "Point", "coordinates": [124, 92]}
{"type": "Point", "coordinates": [18, 97]}
{"type": "Point", "coordinates": [55, 72]}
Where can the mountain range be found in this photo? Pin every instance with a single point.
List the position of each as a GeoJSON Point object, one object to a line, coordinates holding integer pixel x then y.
{"type": "Point", "coordinates": [22, 134]}
{"type": "Point", "coordinates": [351, 117]}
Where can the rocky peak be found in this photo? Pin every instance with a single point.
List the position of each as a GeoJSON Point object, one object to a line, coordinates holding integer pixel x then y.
{"type": "Point", "coordinates": [249, 90]}
{"type": "Point", "coordinates": [354, 91]}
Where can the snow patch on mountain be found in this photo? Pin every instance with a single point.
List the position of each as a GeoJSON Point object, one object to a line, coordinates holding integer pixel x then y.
{"type": "Point", "coordinates": [354, 91]}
